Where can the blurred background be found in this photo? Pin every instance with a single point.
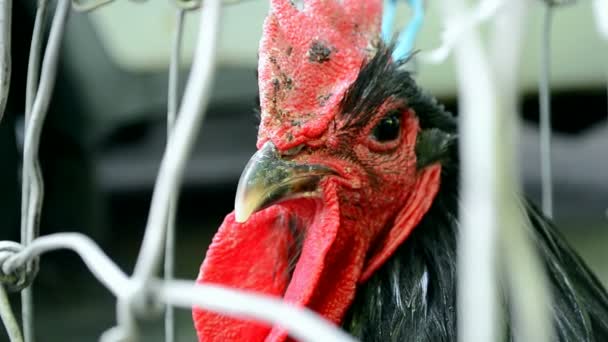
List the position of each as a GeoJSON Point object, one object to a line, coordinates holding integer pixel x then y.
{"type": "Point", "coordinates": [105, 133]}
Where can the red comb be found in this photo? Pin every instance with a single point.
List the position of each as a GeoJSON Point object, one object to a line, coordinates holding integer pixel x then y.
{"type": "Point", "coordinates": [308, 58]}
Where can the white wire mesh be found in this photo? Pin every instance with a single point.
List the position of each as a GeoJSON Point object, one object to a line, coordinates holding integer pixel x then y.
{"type": "Point", "coordinates": [8, 319]}
{"type": "Point", "coordinates": [478, 304]}
{"type": "Point", "coordinates": [5, 52]}
{"type": "Point", "coordinates": [489, 197]}
{"type": "Point", "coordinates": [545, 115]}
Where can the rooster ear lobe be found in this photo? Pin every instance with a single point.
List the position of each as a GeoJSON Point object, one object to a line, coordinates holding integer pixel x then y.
{"type": "Point", "coordinates": [416, 206]}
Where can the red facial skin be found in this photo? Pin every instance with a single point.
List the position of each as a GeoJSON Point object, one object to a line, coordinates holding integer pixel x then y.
{"type": "Point", "coordinates": [362, 215]}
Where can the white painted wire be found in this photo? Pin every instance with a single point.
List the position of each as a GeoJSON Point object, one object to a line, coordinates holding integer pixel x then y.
{"type": "Point", "coordinates": [33, 69]}
{"type": "Point", "coordinates": [458, 26]}
{"type": "Point", "coordinates": [178, 148]}
{"type": "Point", "coordinates": [489, 209]}
{"type": "Point", "coordinates": [527, 283]}
{"type": "Point", "coordinates": [302, 324]}
{"type": "Point", "coordinates": [38, 113]}
{"type": "Point", "coordinates": [187, 126]}
{"type": "Point", "coordinates": [8, 318]}
{"type": "Point", "coordinates": [36, 109]}
{"type": "Point", "coordinates": [194, 4]}
{"type": "Point", "coordinates": [545, 114]}
{"type": "Point", "coordinates": [98, 263]}
{"type": "Point", "coordinates": [5, 52]}
{"type": "Point", "coordinates": [478, 305]}
{"type": "Point", "coordinates": [88, 6]}
{"type": "Point", "coordinates": [172, 108]}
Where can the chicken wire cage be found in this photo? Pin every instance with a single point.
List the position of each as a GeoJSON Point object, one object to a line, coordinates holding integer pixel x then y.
{"type": "Point", "coordinates": [488, 95]}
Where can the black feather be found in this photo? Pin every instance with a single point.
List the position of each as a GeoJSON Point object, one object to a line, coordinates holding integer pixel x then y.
{"type": "Point", "coordinates": [413, 296]}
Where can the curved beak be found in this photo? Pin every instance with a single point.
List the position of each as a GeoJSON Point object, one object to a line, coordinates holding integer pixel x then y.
{"type": "Point", "coordinates": [268, 179]}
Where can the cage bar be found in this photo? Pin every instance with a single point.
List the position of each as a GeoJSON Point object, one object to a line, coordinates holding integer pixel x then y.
{"type": "Point", "coordinates": [172, 109]}
{"type": "Point", "coordinates": [489, 210]}
{"type": "Point", "coordinates": [526, 279]}
{"type": "Point", "coordinates": [545, 114]}
{"type": "Point", "coordinates": [5, 52]}
{"type": "Point", "coordinates": [478, 306]}
{"type": "Point", "coordinates": [8, 318]}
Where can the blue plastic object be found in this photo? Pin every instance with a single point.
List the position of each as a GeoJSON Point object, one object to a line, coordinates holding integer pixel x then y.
{"type": "Point", "coordinates": [406, 39]}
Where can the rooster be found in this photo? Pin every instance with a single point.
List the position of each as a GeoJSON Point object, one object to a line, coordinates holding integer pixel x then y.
{"type": "Point", "coordinates": [350, 205]}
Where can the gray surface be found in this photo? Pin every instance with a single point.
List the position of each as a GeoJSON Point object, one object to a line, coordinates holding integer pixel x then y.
{"type": "Point", "coordinates": [222, 150]}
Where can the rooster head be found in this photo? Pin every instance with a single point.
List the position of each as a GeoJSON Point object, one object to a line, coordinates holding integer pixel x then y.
{"type": "Point", "coordinates": [338, 182]}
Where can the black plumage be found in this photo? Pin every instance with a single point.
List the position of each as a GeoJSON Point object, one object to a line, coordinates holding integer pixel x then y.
{"type": "Point", "coordinates": [413, 296]}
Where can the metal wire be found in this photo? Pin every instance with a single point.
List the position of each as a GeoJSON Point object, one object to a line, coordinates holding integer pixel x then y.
{"type": "Point", "coordinates": [195, 4]}
{"type": "Point", "coordinates": [478, 308]}
{"type": "Point", "coordinates": [187, 5]}
{"type": "Point", "coordinates": [527, 283]}
{"type": "Point", "coordinates": [14, 281]}
{"type": "Point", "coordinates": [89, 6]}
{"type": "Point", "coordinates": [187, 126]}
{"type": "Point", "coordinates": [545, 115]}
{"type": "Point", "coordinates": [98, 263]}
{"type": "Point", "coordinates": [302, 324]}
{"type": "Point", "coordinates": [458, 26]}
{"type": "Point", "coordinates": [192, 111]}
{"type": "Point", "coordinates": [555, 3]}
{"type": "Point", "coordinates": [487, 183]}
{"type": "Point", "coordinates": [38, 113]}
{"type": "Point", "coordinates": [8, 318]}
{"type": "Point", "coordinates": [545, 106]}
{"type": "Point", "coordinates": [33, 188]}
{"type": "Point", "coordinates": [488, 179]}
{"type": "Point", "coordinates": [172, 108]}
{"type": "Point", "coordinates": [33, 70]}
{"type": "Point", "coordinates": [79, 6]}
{"type": "Point", "coordinates": [5, 52]}
{"type": "Point", "coordinates": [27, 295]}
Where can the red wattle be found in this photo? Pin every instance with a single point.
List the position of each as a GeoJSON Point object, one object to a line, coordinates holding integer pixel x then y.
{"type": "Point", "coordinates": [326, 275]}
{"type": "Point", "coordinates": [254, 256]}
{"type": "Point", "coordinates": [244, 256]}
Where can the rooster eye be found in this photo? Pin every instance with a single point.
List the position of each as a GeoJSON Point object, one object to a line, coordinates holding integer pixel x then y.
{"type": "Point", "coordinates": [388, 128]}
